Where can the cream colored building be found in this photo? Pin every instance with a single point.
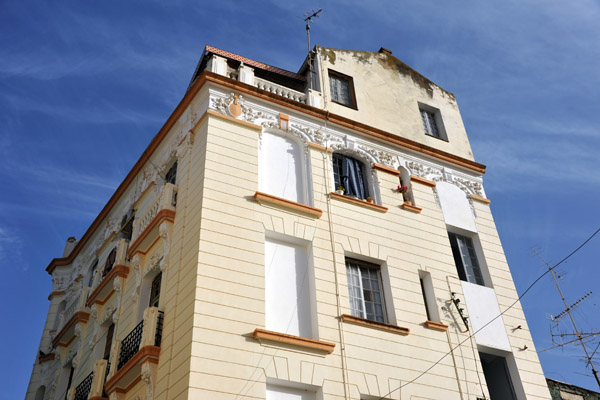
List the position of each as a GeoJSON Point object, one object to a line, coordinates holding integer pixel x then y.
{"type": "Point", "coordinates": [226, 266]}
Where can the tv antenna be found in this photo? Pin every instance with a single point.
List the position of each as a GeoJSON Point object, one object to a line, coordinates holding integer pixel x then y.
{"type": "Point", "coordinates": [309, 20]}
{"type": "Point", "coordinates": [579, 338]}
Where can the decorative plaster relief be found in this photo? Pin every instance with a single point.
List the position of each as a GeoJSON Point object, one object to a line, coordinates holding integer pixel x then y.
{"type": "Point", "coordinates": [340, 141]}
{"type": "Point", "coordinates": [148, 374]}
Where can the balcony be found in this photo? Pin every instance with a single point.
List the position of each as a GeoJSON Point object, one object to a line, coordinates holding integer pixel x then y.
{"type": "Point", "coordinates": [102, 285]}
{"type": "Point", "coordinates": [146, 224]}
{"type": "Point", "coordinates": [92, 386]}
{"type": "Point", "coordinates": [75, 311]}
{"type": "Point", "coordinates": [137, 353]}
{"type": "Point", "coordinates": [280, 90]}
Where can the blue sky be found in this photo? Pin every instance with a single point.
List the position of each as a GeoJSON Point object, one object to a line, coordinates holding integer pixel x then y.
{"type": "Point", "coordinates": [84, 86]}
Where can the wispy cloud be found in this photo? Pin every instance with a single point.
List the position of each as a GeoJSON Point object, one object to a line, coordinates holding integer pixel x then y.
{"type": "Point", "coordinates": [11, 249]}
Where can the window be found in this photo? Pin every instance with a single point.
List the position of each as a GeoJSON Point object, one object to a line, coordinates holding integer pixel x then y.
{"type": "Point", "coordinates": [429, 296]}
{"type": "Point", "coordinates": [127, 225]}
{"type": "Point", "coordinates": [432, 122]}
{"type": "Point", "coordinates": [497, 377]}
{"type": "Point", "coordinates": [465, 258]}
{"type": "Point", "coordinates": [364, 289]}
{"type": "Point", "coordinates": [110, 261]}
{"type": "Point", "coordinates": [277, 392]}
{"type": "Point", "coordinates": [282, 168]}
{"type": "Point", "coordinates": [350, 174]}
{"type": "Point", "coordinates": [108, 342]}
{"type": "Point", "coordinates": [288, 289]}
{"type": "Point", "coordinates": [155, 291]}
{"type": "Point", "coordinates": [92, 272]}
{"type": "Point", "coordinates": [171, 176]}
{"type": "Point", "coordinates": [342, 89]}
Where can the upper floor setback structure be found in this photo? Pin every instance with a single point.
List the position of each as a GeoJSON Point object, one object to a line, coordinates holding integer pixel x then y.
{"type": "Point", "coordinates": [286, 239]}
{"type": "Point", "coordinates": [404, 119]}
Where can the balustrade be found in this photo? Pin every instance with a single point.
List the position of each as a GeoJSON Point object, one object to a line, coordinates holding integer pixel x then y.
{"type": "Point", "coordinates": [280, 90]}
{"type": "Point", "coordinates": [166, 200]}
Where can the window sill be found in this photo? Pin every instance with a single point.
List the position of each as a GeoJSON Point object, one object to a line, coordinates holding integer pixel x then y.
{"type": "Point", "coordinates": [103, 291]}
{"type": "Point", "coordinates": [374, 324]}
{"type": "Point", "coordinates": [480, 199]}
{"type": "Point", "coordinates": [407, 205]}
{"type": "Point", "coordinates": [47, 357]}
{"type": "Point", "coordinates": [311, 344]}
{"type": "Point", "coordinates": [437, 137]}
{"type": "Point", "coordinates": [438, 326]}
{"type": "Point", "coordinates": [362, 203]}
{"type": "Point", "coordinates": [422, 181]}
{"type": "Point", "coordinates": [287, 204]}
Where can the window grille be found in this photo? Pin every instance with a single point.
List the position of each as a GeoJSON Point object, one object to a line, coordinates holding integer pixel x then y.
{"type": "Point", "coordinates": [83, 389]}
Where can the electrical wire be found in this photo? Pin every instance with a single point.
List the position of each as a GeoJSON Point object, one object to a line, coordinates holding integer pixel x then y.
{"type": "Point", "coordinates": [495, 318]}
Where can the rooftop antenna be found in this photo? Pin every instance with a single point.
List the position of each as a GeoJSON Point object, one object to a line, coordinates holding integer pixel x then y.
{"type": "Point", "coordinates": [577, 335]}
{"type": "Point", "coordinates": [308, 21]}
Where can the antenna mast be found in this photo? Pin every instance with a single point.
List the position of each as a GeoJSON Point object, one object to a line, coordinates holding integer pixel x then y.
{"type": "Point", "coordinates": [308, 21]}
{"type": "Point", "coordinates": [579, 335]}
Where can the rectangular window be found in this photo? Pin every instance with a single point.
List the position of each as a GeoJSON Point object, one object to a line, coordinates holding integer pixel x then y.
{"type": "Point", "coordinates": [342, 89]}
{"type": "Point", "coordinates": [465, 258]}
{"type": "Point", "coordinates": [276, 392]}
{"type": "Point", "coordinates": [432, 122]}
{"type": "Point", "coordinates": [349, 174]}
{"type": "Point", "coordinates": [497, 377]}
{"type": "Point", "coordinates": [155, 291]}
{"type": "Point", "coordinates": [429, 297]}
{"type": "Point", "coordinates": [171, 176]}
{"type": "Point", "coordinates": [429, 123]}
{"type": "Point", "coordinates": [365, 290]}
{"type": "Point", "coordinates": [287, 289]}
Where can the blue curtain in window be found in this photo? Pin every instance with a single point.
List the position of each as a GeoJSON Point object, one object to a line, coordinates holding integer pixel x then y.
{"type": "Point", "coordinates": [352, 176]}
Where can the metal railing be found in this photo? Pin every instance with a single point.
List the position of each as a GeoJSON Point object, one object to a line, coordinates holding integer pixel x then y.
{"type": "Point", "coordinates": [130, 345]}
{"type": "Point", "coordinates": [83, 389]}
{"type": "Point", "coordinates": [159, 328]}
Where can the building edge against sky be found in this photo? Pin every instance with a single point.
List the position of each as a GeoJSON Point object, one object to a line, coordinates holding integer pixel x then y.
{"type": "Point", "coordinates": [277, 240]}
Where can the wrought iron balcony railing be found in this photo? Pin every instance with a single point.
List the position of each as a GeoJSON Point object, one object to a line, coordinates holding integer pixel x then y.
{"type": "Point", "coordinates": [83, 389]}
{"type": "Point", "coordinates": [134, 341]}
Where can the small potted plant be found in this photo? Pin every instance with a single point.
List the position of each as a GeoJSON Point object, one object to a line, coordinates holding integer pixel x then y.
{"type": "Point", "coordinates": [340, 190]}
{"type": "Point", "coordinates": [402, 189]}
{"type": "Point", "coordinates": [369, 199]}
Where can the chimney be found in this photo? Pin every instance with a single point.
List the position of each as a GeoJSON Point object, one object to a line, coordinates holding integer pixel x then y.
{"type": "Point", "coordinates": [385, 51]}
{"type": "Point", "coordinates": [70, 245]}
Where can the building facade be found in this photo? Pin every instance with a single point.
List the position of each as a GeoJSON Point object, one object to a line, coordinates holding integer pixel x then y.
{"type": "Point", "coordinates": [323, 234]}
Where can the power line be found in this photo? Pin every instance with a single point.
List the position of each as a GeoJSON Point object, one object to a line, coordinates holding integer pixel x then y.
{"type": "Point", "coordinates": [495, 318]}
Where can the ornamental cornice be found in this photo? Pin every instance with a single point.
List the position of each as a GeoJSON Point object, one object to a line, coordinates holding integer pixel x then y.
{"type": "Point", "coordinates": [345, 141]}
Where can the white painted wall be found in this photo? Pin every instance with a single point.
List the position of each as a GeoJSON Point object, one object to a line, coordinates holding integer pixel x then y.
{"type": "Point", "coordinates": [275, 392]}
{"type": "Point", "coordinates": [281, 171]}
{"type": "Point", "coordinates": [455, 206]}
{"type": "Point", "coordinates": [287, 288]}
{"type": "Point", "coordinates": [482, 306]}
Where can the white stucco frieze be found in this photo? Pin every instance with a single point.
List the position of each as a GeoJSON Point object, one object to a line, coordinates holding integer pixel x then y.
{"type": "Point", "coordinates": [348, 142]}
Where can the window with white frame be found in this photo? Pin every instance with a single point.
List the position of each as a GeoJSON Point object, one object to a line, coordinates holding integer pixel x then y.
{"type": "Point", "coordinates": [432, 122]}
{"type": "Point", "coordinates": [349, 174]}
{"type": "Point", "coordinates": [365, 290]}
{"type": "Point", "coordinates": [465, 257]}
{"type": "Point", "coordinates": [278, 392]}
{"type": "Point", "coordinates": [288, 288]}
{"type": "Point", "coordinates": [341, 88]}
{"type": "Point", "coordinates": [283, 168]}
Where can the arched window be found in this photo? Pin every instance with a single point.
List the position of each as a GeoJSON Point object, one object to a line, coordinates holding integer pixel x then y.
{"type": "Point", "coordinates": [92, 272]}
{"type": "Point", "coordinates": [349, 173]}
{"type": "Point", "coordinates": [39, 394]}
{"type": "Point", "coordinates": [405, 186]}
{"type": "Point", "coordinates": [282, 168]}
